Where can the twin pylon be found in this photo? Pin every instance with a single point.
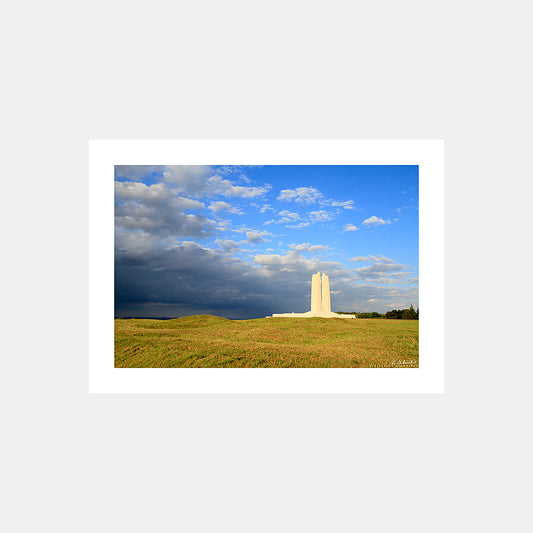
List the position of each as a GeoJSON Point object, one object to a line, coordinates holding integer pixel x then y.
{"type": "Point", "coordinates": [320, 301]}
{"type": "Point", "coordinates": [320, 295]}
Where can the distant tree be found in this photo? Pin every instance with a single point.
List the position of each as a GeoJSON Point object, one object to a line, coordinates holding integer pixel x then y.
{"type": "Point", "coordinates": [374, 314]}
{"type": "Point", "coordinates": [405, 314]}
{"type": "Point", "coordinates": [409, 314]}
{"type": "Point", "coordinates": [393, 314]}
{"type": "Point", "coordinates": [412, 313]}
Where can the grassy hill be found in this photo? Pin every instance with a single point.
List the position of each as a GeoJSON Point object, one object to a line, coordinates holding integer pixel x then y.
{"type": "Point", "coordinates": [210, 341]}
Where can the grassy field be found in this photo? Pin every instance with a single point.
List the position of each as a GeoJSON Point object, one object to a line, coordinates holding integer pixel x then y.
{"type": "Point", "coordinates": [210, 341]}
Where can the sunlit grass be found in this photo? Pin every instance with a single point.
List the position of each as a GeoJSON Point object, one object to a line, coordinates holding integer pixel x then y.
{"type": "Point", "coordinates": [210, 341]}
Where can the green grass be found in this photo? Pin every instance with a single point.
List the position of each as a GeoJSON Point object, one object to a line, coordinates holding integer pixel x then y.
{"type": "Point", "coordinates": [210, 341]}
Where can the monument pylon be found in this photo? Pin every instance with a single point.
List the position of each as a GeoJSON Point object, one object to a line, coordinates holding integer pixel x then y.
{"type": "Point", "coordinates": [320, 301]}
{"type": "Point", "coordinates": [326, 300]}
{"type": "Point", "coordinates": [316, 293]}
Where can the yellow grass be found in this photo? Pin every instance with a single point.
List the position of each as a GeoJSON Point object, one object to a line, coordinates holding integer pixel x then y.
{"type": "Point", "coordinates": [209, 341]}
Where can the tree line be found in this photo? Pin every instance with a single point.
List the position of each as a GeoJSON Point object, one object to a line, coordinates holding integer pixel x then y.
{"type": "Point", "coordinates": [404, 314]}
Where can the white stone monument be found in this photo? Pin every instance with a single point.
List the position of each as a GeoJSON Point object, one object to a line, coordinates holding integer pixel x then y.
{"type": "Point", "coordinates": [316, 293]}
{"type": "Point", "coordinates": [326, 300]}
{"type": "Point", "coordinates": [320, 301]}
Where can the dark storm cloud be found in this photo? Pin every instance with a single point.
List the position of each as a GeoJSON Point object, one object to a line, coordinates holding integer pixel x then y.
{"type": "Point", "coordinates": [189, 276]}
{"type": "Point", "coordinates": [184, 279]}
{"type": "Point", "coordinates": [134, 247]}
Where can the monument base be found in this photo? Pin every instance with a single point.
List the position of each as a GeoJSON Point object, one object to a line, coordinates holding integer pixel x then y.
{"type": "Point", "coordinates": [311, 314]}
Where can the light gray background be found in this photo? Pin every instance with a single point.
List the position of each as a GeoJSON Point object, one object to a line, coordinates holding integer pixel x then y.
{"type": "Point", "coordinates": [75, 71]}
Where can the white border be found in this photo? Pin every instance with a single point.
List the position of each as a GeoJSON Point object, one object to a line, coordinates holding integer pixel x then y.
{"type": "Point", "coordinates": [105, 154]}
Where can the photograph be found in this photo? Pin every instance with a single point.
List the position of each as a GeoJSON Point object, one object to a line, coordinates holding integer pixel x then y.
{"type": "Point", "coordinates": [266, 266]}
{"type": "Point", "coordinates": [250, 250]}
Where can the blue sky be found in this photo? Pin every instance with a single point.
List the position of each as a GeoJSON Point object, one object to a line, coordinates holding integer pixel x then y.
{"type": "Point", "coordinates": [243, 241]}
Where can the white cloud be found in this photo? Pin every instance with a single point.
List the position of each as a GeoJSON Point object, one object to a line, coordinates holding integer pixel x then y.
{"type": "Point", "coordinates": [255, 237]}
{"type": "Point", "coordinates": [381, 270]}
{"type": "Point", "coordinates": [228, 245]}
{"type": "Point", "coordinates": [286, 216]}
{"type": "Point", "coordinates": [348, 204]}
{"type": "Point", "coordinates": [190, 179]}
{"type": "Point", "coordinates": [286, 213]}
{"type": "Point", "coordinates": [372, 259]}
{"type": "Point", "coordinates": [302, 195]}
{"type": "Point", "coordinates": [246, 229]}
{"type": "Point", "coordinates": [293, 261]}
{"type": "Point", "coordinates": [350, 227]}
{"type": "Point", "coordinates": [252, 237]}
{"type": "Point", "coordinates": [320, 216]}
{"type": "Point", "coordinates": [306, 247]}
{"type": "Point", "coordinates": [157, 195]}
{"type": "Point", "coordinates": [217, 207]}
{"type": "Point", "coordinates": [309, 195]}
{"type": "Point", "coordinates": [300, 267]}
{"type": "Point", "coordinates": [375, 221]}
{"type": "Point", "coordinates": [200, 180]}
{"type": "Point", "coordinates": [159, 210]}
{"type": "Point", "coordinates": [300, 225]}
{"type": "Point", "coordinates": [292, 257]}
{"type": "Point", "coordinates": [234, 171]}
{"type": "Point", "coordinates": [136, 172]}
{"type": "Point", "coordinates": [218, 185]}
